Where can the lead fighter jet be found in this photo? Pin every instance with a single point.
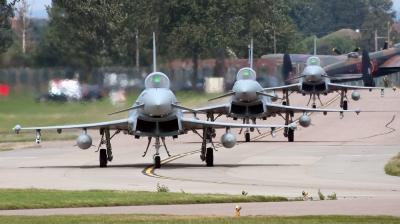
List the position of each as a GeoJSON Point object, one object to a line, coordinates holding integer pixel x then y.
{"type": "Point", "coordinates": [155, 114]}
{"type": "Point", "coordinates": [249, 101]}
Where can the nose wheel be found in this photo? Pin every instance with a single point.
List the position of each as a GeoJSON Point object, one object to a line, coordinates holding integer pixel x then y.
{"type": "Point", "coordinates": [157, 161]}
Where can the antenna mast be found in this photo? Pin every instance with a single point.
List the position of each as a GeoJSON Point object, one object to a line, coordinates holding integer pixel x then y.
{"type": "Point", "coordinates": [154, 52]}
{"type": "Point", "coordinates": [251, 54]}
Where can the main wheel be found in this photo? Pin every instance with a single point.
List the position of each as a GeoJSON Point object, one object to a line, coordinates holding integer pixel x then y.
{"type": "Point", "coordinates": [103, 158]}
{"type": "Point", "coordinates": [290, 135]}
{"type": "Point", "coordinates": [210, 157]}
{"type": "Point", "coordinates": [157, 162]}
{"type": "Point", "coordinates": [345, 105]}
{"type": "Point", "coordinates": [314, 106]}
{"type": "Point", "coordinates": [284, 103]}
{"type": "Point", "coordinates": [247, 136]}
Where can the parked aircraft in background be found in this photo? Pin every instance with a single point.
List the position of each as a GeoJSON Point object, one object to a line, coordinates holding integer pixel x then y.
{"type": "Point", "coordinates": [314, 81]}
{"type": "Point", "coordinates": [249, 101]}
{"type": "Point", "coordinates": [383, 62]}
{"type": "Point", "coordinates": [155, 114]}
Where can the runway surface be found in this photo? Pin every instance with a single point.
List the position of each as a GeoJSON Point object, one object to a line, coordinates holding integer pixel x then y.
{"type": "Point", "coordinates": [345, 156]}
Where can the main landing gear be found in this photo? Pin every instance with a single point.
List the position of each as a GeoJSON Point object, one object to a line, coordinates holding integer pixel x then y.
{"type": "Point", "coordinates": [343, 102]}
{"type": "Point", "coordinates": [207, 154]}
{"type": "Point", "coordinates": [105, 155]}
{"type": "Point", "coordinates": [157, 145]}
{"type": "Point", "coordinates": [288, 132]}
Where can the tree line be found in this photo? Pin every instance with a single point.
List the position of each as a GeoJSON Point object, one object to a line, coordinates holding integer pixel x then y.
{"type": "Point", "coordinates": [92, 33]}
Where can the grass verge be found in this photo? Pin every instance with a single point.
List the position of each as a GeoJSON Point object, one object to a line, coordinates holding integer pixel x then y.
{"type": "Point", "coordinates": [197, 219]}
{"type": "Point", "coordinates": [21, 108]}
{"type": "Point", "coordinates": [40, 198]}
{"type": "Point", "coordinates": [393, 166]}
{"type": "Point", "coordinates": [30, 137]}
{"type": "Point", "coordinates": [13, 146]}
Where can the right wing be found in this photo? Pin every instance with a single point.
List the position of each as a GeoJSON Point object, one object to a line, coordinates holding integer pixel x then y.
{"type": "Point", "coordinates": [112, 125]}
{"type": "Point", "coordinates": [193, 123]}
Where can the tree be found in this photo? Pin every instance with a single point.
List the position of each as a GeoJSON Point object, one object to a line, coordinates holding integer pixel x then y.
{"type": "Point", "coordinates": [6, 12]}
{"type": "Point", "coordinates": [90, 33]}
{"type": "Point", "coordinates": [24, 10]}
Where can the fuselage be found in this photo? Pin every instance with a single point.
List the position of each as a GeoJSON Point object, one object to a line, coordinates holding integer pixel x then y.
{"type": "Point", "coordinates": [246, 102]}
{"type": "Point", "coordinates": [157, 117]}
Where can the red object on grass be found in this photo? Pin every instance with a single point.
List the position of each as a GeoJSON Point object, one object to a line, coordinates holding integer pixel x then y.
{"type": "Point", "coordinates": [4, 90]}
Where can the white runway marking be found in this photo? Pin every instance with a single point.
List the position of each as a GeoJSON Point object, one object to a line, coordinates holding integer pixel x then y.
{"type": "Point", "coordinates": [18, 157]}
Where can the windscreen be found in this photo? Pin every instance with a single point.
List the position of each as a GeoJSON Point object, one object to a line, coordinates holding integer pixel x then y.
{"type": "Point", "coordinates": [157, 80]}
{"type": "Point", "coordinates": [246, 74]}
{"type": "Point", "coordinates": [313, 61]}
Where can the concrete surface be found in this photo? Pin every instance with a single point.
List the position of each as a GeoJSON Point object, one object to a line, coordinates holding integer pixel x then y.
{"type": "Point", "coordinates": [345, 156]}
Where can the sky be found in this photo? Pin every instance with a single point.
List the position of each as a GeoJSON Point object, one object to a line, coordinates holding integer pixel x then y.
{"type": "Point", "coordinates": [39, 10]}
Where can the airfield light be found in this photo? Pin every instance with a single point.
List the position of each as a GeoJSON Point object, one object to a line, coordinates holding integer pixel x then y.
{"type": "Point", "coordinates": [157, 79]}
{"type": "Point", "coordinates": [244, 193]}
{"type": "Point", "coordinates": [238, 208]}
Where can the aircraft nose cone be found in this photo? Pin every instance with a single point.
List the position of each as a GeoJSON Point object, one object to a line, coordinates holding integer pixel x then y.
{"type": "Point", "coordinates": [245, 91]}
{"type": "Point", "coordinates": [157, 104]}
{"type": "Point", "coordinates": [314, 74]}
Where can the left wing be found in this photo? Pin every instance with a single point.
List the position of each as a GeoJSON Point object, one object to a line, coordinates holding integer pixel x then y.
{"type": "Point", "coordinates": [194, 123]}
{"type": "Point", "coordinates": [112, 125]}
{"type": "Point", "coordinates": [338, 87]}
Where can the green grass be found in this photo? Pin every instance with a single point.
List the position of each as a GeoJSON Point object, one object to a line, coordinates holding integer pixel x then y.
{"type": "Point", "coordinates": [40, 198]}
{"type": "Point", "coordinates": [31, 136]}
{"type": "Point", "coordinates": [121, 218]}
{"type": "Point", "coordinates": [393, 166]}
{"type": "Point", "coordinates": [21, 108]}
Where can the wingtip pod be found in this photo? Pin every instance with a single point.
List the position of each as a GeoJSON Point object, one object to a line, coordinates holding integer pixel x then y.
{"type": "Point", "coordinates": [17, 128]}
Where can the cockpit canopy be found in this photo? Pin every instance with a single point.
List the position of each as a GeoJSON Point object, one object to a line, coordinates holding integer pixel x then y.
{"type": "Point", "coordinates": [313, 61]}
{"type": "Point", "coordinates": [246, 74]}
{"type": "Point", "coordinates": [352, 55]}
{"type": "Point", "coordinates": [157, 80]}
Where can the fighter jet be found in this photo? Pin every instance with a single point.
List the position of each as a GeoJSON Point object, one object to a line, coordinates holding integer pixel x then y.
{"type": "Point", "coordinates": [155, 114]}
{"type": "Point", "coordinates": [314, 81]}
{"type": "Point", "coordinates": [249, 101]}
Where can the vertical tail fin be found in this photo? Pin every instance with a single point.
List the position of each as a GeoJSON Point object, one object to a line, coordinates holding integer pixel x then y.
{"type": "Point", "coordinates": [287, 70]}
{"type": "Point", "coordinates": [154, 53]}
{"type": "Point", "coordinates": [366, 69]}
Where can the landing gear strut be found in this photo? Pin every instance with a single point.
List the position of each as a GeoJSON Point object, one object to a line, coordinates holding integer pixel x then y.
{"type": "Point", "coordinates": [105, 155]}
{"type": "Point", "coordinates": [157, 145]}
{"type": "Point", "coordinates": [207, 154]}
